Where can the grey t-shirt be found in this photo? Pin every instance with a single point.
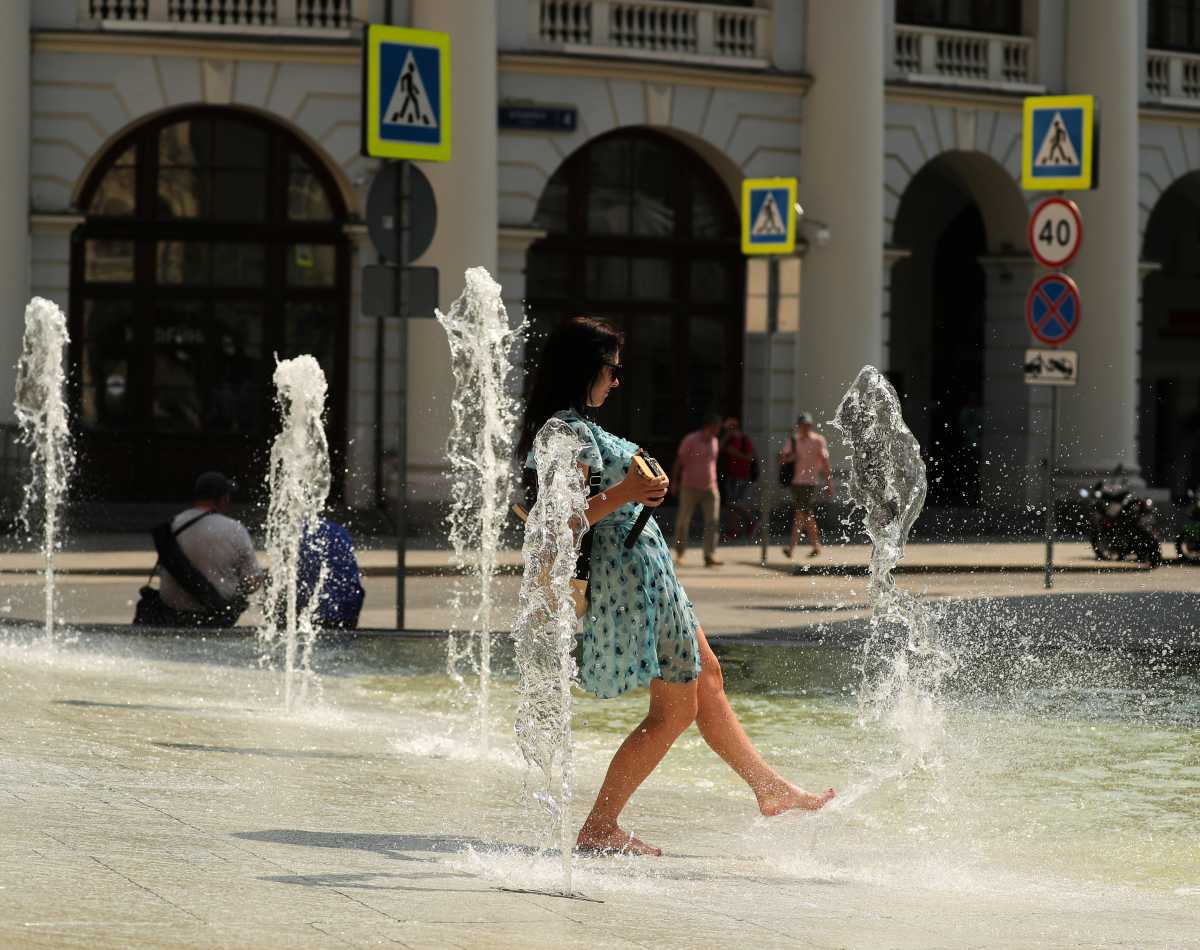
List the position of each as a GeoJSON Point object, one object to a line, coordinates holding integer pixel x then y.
{"type": "Point", "coordinates": [220, 548]}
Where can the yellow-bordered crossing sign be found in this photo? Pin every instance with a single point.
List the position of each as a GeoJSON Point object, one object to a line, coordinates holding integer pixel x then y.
{"type": "Point", "coordinates": [406, 94]}
{"type": "Point", "coordinates": [768, 218]}
{"type": "Point", "coordinates": [1058, 143]}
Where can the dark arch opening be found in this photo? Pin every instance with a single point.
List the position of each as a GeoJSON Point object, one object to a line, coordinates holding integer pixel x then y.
{"type": "Point", "coordinates": [213, 242]}
{"type": "Point", "coordinates": [642, 232]}
{"type": "Point", "coordinates": [1169, 411]}
{"type": "Point", "coordinates": [938, 296]}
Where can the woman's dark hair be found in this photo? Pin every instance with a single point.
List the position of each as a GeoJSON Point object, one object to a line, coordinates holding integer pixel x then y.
{"type": "Point", "coordinates": [571, 359]}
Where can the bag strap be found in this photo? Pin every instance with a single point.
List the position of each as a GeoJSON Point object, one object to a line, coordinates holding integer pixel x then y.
{"type": "Point", "coordinates": [186, 574]}
{"type": "Point", "coordinates": [178, 531]}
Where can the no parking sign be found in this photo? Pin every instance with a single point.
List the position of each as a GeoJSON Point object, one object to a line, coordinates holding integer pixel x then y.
{"type": "Point", "coordinates": [1052, 309]}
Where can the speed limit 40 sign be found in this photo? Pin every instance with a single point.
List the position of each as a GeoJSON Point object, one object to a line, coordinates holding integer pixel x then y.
{"type": "Point", "coordinates": [1055, 231]}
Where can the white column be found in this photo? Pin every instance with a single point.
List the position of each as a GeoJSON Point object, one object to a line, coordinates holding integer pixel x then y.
{"type": "Point", "coordinates": [1098, 417]}
{"type": "Point", "coordinates": [14, 196]}
{"type": "Point", "coordinates": [467, 226]}
{"type": "Point", "coordinates": [842, 185]}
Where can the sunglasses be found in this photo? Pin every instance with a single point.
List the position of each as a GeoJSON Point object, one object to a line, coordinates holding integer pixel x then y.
{"type": "Point", "coordinates": [616, 369]}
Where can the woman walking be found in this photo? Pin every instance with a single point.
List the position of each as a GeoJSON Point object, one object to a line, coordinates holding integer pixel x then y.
{"type": "Point", "coordinates": [640, 628]}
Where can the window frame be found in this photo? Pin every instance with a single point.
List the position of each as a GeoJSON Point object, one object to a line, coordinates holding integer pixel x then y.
{"type": "Point", "coordinates": [276, 233]}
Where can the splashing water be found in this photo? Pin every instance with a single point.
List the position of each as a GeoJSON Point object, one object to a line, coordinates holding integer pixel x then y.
{"type": "Point", "coordinates": [904, 664]}
{"type": "Point", "coordinates": [42, 415]}
{"type": "Point", "coordinates": [299, 482]}
{"type": "Point", "coordinates": [480, 450]}
{"type": "Point", "coordinates": [544, 630]}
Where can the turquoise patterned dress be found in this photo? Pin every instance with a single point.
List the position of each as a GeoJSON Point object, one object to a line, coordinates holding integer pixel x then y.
{"type": "Point", "coordinates": [640, 625]}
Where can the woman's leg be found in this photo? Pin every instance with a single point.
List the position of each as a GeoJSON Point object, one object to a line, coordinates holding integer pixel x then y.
{"type": "Point", "coordinates": [727, 738]}
{"type": "Point", "coordinates": [672, 710]}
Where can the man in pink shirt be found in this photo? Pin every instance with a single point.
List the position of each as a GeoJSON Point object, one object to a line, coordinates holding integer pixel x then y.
{"type": "Point", "coordinates": [809, 454]}
{"type": "Point", "coordinates": [694, 477]}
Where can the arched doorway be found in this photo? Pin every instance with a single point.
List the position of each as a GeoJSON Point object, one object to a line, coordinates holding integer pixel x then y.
{"type": "Point", "coordinates": [213, 243]}
{"type": "Point", "coordinates": [642, 232]}
{"type": "Point", "coordinates": [1169, 417]}
{"type": "Point", "coordinates": [955, 211]}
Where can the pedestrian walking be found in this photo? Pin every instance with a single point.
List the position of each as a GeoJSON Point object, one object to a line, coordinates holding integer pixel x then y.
{"type": "Point", "coordinates": [808, 454]}
{"type": "Point", "coordinates": [694, 479]}
{"type": "Point", "coordinates": [641, 629]}
{"type": "Point", "coordinates": [739, 470]}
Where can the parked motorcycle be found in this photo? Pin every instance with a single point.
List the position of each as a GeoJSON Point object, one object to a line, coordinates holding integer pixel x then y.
{"type": "Point", "coordinates": [1187, 542]}
{"type": "Point", "coordinates": [1122, 524]}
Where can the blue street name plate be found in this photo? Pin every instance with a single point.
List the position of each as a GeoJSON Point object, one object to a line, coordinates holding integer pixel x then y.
{"type": "Point", "coordinates": [539, 118]}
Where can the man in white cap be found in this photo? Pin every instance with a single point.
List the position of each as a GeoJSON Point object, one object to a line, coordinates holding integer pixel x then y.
{"type": "Point", "coordinates": [808, 453]}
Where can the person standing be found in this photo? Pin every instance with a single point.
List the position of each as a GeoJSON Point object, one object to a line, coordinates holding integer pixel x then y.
{"type": "Point", "coordinates": [694, 477]}
{"type": "Point", "coordinates": [642, 629]}
{"type": "Point", "coordinates": [738, 471]}
{"type": "Point", "coordinates": [808, 452]}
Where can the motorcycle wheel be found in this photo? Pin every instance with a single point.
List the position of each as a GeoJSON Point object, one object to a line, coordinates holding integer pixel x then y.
{"type": "Point", "coordinates": [1188, 549]}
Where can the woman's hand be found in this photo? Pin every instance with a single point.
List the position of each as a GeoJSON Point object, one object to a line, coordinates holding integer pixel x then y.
{"type": "Point", "coordinates": [641, 490]}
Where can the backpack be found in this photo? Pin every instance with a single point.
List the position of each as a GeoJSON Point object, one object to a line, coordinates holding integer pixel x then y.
{"type": "Point", "coordinates": [787, 470]}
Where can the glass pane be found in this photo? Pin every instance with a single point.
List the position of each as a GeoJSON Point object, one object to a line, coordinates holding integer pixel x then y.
{"type": "Point", "coordinates": [708, 218]}
{"type": "Point", "coordinates": [180, 340]}
{"type": "Point", "coordinates": [609, 200]}
{"type": "Point", "coordinates": [183, 262]}
{"type": "Point", "coordinates": [117, 195]}
{"type": "Point", "coordinates": [650, 392]}
{"type": "Point", "coordinates": [607, 278]}
{"type": "Point", "coordinates": [107, 337]}
{"type": "Point", "coordinates": [234, 385]}
{"type": "Point", "coordinates": [108, 261]}
{"type": "Point", "coordinates": [185, 144]}
{"type": "Point", "coordinates": [551, 213]}
{"type": "Point", "coordinates": [307, 200]}
{"type": "Point", "coordinates": [182, 193]}
{"type": "Point", "coordinates": [651, 278]}
{"type": "Point", "coordinates": [240, 145]}
{"type": "Point", "coordinates": [311, 265]}
{"type": "Point", "coordinates": [311, 327]}
{"type": "Point", "coordinates": [653, 215]}
{"type": "Point", "coordinates": [208, 366]}
{"type": "Point", "coordinates": [709, 280]}
{"type": "Point", "coordinates": [239, 196]}
{"type": "Point", "coordinates": [546, 274]}
{"type": "Point", "coordinates": [239, 265]}
{"type": "Point", "coordinates": [706, 369]}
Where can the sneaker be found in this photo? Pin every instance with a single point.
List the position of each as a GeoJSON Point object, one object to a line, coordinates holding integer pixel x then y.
{"type": "Point", "coordinates": [787, 552]}
{"type": "Point", "coordinates": [815, 552]}
{"type": "Point", "coordinates": [712, 562]}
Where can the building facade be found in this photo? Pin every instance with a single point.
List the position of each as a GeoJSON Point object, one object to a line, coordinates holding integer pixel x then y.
{"type": "Point", "coordinates": [184, 177]}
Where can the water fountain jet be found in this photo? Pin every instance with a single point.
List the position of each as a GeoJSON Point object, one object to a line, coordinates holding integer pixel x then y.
{"type": "Point", "coordinates": [299, 481]}
{"type": "Point", "coordinates": [480, 451]}
{"type": "Point", "coordinates": [544, 630]}
{"type": "Point", "coordinates": [44, 422]}
{"type": "Point", "coordinates": [904, 660]}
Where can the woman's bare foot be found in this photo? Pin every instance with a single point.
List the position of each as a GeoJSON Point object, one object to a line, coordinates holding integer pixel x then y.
{"type": "Point", "coordinates": [612, 839]}
{"type": "Point", "coordinates": [788, 796]}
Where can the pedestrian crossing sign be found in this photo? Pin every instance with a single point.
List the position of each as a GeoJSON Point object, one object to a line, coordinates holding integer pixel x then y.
{"type": "Point", "coordinates": [768, 221]}
{"type": "Point", "coordinates": [406, 93]}
{"type": "Point", "coordinates": [1058, 144]}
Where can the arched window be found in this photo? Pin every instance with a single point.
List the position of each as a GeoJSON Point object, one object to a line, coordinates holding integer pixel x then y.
{"type": "Point", "coordinates": [213, 243]}
{"type": "Point", "coordinates": [642, 232]}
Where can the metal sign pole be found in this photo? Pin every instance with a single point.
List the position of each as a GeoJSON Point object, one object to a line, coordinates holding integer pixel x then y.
{"type": "Point", "coordinates": [1051, 462]}
{"type": "Point", "coordinates": [764, 470]}
{"type": "Point", "coordinates": [401, 500]}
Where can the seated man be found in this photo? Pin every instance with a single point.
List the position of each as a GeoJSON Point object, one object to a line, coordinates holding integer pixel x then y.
{"type": "Point", "coordinates": [342, 593]}
{"type": "Point", "coordinates": [219, 550]}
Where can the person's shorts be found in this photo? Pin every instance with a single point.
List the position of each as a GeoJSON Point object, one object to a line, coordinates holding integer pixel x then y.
{"type": "Point", "coordinates": [802, 497]}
